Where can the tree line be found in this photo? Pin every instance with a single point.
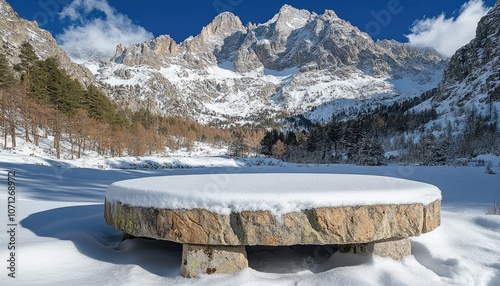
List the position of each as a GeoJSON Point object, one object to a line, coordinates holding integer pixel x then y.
{"type": "Point", "coordinates": [399, 128]}
{"type": "Point", "coordinates": [38, 97]}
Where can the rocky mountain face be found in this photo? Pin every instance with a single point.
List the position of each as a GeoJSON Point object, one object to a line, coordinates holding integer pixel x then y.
{"type": "Point", "coordinates": [14, 31]}
{"type": "Point", "coordinates": [472, 78]}
{"type": "Point", "coordinates": [296, 63]}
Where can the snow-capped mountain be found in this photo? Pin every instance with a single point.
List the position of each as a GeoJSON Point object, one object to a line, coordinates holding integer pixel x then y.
{"type": "Point", "coordinates": [472, 78]}
{"type": "Point", "coordinates": [296, 63]}
{"type": "Point", "coordinates": [14, 31]}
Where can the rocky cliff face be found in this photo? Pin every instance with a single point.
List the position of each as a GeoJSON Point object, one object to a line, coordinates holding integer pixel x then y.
{"type": "Point", "coordinates": [154, 53]}
{"type": "Point", "coordinates": [14, 31]}
{"type": "Point", "coordinates": [296, 63]}
{"type": "Point", "coordinates": [472, 78]}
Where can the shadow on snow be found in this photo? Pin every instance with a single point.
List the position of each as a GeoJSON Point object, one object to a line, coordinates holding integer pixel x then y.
{"type": "Point", "coordinates": [85, 227]}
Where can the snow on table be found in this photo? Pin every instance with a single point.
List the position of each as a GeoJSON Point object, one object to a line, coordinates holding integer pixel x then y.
{"type": "Point", "coordinates": [277, 193]}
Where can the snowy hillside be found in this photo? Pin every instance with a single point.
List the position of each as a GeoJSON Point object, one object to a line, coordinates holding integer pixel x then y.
{"type": "Point", "coordinates": [298, 62]}
{"type": "Point", "coordinates": [45, 155]}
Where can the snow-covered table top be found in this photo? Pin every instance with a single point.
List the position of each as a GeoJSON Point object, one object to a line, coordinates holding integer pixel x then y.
{"type": "Point", "coordinates": [278, 193]}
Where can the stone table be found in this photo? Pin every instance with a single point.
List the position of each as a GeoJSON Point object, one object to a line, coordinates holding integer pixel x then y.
{"type": "Point", "coordinates": [215, 216]}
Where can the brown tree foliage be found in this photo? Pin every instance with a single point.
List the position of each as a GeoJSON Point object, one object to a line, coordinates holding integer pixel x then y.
{"type": "Point", "coordinates": [122, 133]}
{"type": "Point", "coordinates": [278, 149]}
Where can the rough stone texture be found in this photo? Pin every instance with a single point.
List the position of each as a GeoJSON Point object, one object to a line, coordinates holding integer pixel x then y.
{"type": "Point", "coordinates": [431, 219]}
{"type": "Point", "coordinates": [153, 53]}
{"type": "Point", "coordinates": [396, 249]}
{"type": "Point", "coordinates": [479, 52]}
{"type": "Point", "coordinates": [202, 259]}
{"type": "Point", "coordinates": [339, 225]}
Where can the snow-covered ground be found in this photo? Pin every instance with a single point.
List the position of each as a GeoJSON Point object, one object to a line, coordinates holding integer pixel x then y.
{"type": "Point", "coordinates": [62, 239]}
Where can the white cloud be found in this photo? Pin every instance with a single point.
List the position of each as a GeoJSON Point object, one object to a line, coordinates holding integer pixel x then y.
{"type": "Point", "coordinates": [447, 35]}
{"type": "Point", "coordinates": [96, 29]}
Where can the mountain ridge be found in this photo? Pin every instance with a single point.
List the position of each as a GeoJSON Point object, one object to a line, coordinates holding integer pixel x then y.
{"type": "Point", "coordinates": [295, 63]}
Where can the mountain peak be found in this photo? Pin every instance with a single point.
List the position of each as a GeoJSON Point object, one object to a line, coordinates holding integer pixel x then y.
{"type": "Point", "coordinates": [290, 18]}
{"type": "Point", "coordinates": [330, 14]}
{"type": "Point", "coordinates": [288, 9]}
{"type": "Point", "coordinates": [15, 31]}
{"type": "Point", "coordinates": [488, 25]}
{"type": "Point", "coordinates": [480, 50]}
{"type": "Point", "coordinates": [226, 15]}
{"type": "Point", "coordinates": [223, 24]}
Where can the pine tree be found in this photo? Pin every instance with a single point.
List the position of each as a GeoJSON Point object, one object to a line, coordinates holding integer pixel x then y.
{"type": "Point", "coordinates": [65, 93]}
{"type": "Point", "coordinates": [370, 152]}
{"type": "Point", "coordinates": [51, 85]}
{"type": "Point", "coordinates": [6, 77]}
{"type": "Point", "coordinates": [28, 59]}
{"type": "Point", "coordinates": [143, 115]}
{"type": "Point", "coordinates": [442, 151]}
{"type": "Point", "coordinates": [334, 137]}
{"type": "Point", "coordinates": [291, 139]}
{"type": "Point", "coordinates": [352, 136]}
{"type": "Point", "coordinates": [40, 79]}
{"type": "Point", "coordinates": [315, 137]}
{"type": "Point", "coordinates": [99, 107]}
{"type": "Point", "coordinates": [270, 138]}
{"type": "Point", "coordinates": [428, 149]}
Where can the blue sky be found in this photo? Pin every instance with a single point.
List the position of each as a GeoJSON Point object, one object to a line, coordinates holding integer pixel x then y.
{"type": "Point", "coordinates": [76, 22]}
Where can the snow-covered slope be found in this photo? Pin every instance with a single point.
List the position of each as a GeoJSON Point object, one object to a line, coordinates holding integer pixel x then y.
{"type": "Point", "coordinates": [298, 62]}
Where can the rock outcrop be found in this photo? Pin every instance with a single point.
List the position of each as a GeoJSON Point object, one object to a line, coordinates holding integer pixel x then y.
{"type": "Point", "coordinates": [154, 53]}
{"type": "Point", "coordinates": [472, 78]}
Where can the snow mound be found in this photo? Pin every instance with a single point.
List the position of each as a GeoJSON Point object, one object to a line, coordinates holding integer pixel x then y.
{"type": "Point", "coordinates": [278, 193]}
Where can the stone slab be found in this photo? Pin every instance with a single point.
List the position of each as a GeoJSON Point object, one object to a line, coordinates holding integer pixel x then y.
{"type": "Point", "coordinates": [336, 225]}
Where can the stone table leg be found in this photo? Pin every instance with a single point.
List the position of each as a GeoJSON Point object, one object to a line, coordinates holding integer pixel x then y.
{"type": "Point", "coordinates": [396, 249]}
{"type": "Point", "coordinates": [210, 259]}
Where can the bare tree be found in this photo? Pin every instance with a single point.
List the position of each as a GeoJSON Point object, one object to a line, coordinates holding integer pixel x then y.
{"type": "Point", "coordinates": [10, 105]}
